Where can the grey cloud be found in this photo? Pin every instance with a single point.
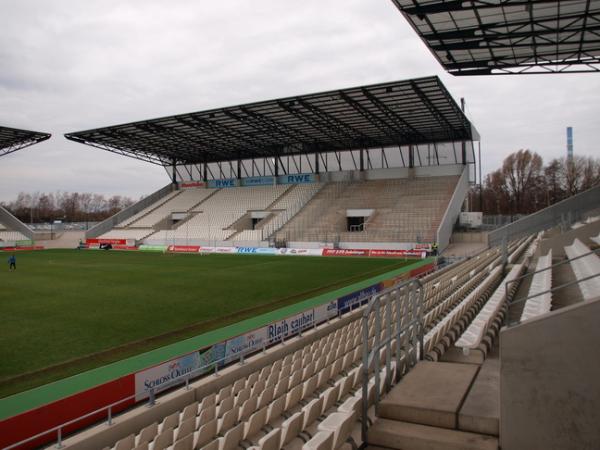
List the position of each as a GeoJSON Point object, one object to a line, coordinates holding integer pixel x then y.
{"type": "Point", "coordinates": [68, 65]}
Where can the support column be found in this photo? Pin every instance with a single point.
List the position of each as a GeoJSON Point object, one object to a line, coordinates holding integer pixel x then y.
{"type": "Point", "coordinates": [464, 143]}
{"type": "Point", "coordinates": [480, 183]}
{"type": "Point", "coordinates": [239, 169]}
{"type": "Point", "coordinates": [362, 160]}
{"type": "Point", "coordinates": [316, 163]}
{"type": "Point", "coordinates": [174, 173]}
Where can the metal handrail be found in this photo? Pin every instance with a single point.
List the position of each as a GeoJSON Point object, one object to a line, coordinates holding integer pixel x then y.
{"type": "Point", "coordinates": [531, 274]}
{"type": "Point", "coordinates": [570, 283]}
{"type": "Point", "coordinates": [191, 376]}
{"type": "Point", "coordinates": [403, 290]}
{"type": "Point", "coordinates": [565, 261]}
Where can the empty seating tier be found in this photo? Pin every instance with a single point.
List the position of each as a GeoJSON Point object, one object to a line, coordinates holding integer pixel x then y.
{"type": "Point", "coordinates": [401, 210]}
{"type": "Point", "coordinates": [584, 267]}
{"type": "Point", "coordinates": [11, 236]}
{"type": "Point", "coordinates": [212, 219]}
{"type": "Point", "coordinates": [540, 300]}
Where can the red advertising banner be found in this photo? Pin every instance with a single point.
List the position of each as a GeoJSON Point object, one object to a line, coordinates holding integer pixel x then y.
{"type": "Point", "coordinates": [374, 253]}
{"type": "Point", "coordinates": [192, 184]}
{"type": "Point", "coordinates": [345, 252]}
{"type": "Point", "coordinates": [124, 247]}
{"type": "Point", "coordinates": [16, 249]}
{"type": "Point", "coordinates": [426, 247]}
{"type": "Point", "coordinates": [397, 253]}
{"type": "Point", "coordinates": [106, 241]}
{"type": "Point", "coordinates": [183, 248]}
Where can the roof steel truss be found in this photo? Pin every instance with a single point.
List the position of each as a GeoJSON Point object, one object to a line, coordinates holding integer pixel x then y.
{"type": "Point", "coordinates": [397, 113]}
{"type": "Point", "coordinates": [482, 37]}
{"type": "Point", "coordinates": [12, 139]}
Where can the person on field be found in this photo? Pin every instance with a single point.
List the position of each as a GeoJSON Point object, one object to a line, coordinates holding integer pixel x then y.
{"type": "Point", "coordinates": [12, 263]}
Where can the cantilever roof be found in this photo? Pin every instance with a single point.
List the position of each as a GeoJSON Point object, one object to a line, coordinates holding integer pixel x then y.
{"type": "Point", "coordinates": [396, 113]}
{"type": "Point", "coordinates": [483, 37]}
{"type": "Point", "coordinates": [12, 139]}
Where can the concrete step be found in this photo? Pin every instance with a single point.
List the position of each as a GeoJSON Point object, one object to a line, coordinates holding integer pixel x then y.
{"type": "Point", "coordinates": [409, 436]}
{"type": "Point", "coordinates": [432, 393]}
{"type": "Point", "coordinates": [480, 412]}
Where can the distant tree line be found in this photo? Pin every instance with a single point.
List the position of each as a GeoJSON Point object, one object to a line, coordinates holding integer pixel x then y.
{"type": "Point", "coordinates": [41, 207]}
{"type": "Point", "coordinates": [524, 184]}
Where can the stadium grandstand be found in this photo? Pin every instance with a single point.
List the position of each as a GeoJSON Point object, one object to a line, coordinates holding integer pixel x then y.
{"type": "Point", "coordinates": [483, 37]}
{"type": "Point", "coordinates": [417, 365]}
{"type": "Point", "coordinates": [386, 166]}
{"type": "Point", "coordinates": [496, 350]}
{"type": "Point", "coordinates": [12, 230]}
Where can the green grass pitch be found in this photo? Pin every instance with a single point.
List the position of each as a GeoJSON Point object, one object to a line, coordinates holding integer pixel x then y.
{"type": "Point", "coordinates": [65, 311]}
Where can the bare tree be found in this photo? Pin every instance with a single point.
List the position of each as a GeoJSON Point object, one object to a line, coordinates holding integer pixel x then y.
{"type": "Point", "coordinates": [522, 172]}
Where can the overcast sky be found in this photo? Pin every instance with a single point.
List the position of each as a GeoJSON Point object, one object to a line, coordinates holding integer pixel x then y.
{"type": "Point", "coordinates": [70, 65]}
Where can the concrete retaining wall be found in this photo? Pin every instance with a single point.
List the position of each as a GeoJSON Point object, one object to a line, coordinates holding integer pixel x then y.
{"type": "Point", "coordinates": [550, 381]}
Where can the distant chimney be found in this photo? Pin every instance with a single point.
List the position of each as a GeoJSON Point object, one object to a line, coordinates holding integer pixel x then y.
{"type": "Point", "coordinates": [570, 143]}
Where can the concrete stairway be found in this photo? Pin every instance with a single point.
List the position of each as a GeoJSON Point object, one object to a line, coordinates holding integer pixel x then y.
{"type": "Point", "coordinates": [441, 405]}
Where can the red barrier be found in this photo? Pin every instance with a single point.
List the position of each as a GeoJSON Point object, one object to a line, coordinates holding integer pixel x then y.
{"type": "Point", "coordinates": [421, 270]}
{"type": "Point", "coordinates": [183, 248]}
{"type": "Point", "coordinates": [35, 421]}
{"type": "Point", "coordinates": [396, 253]}
{"type": "Point", "coordinates": [124, 247]}
{"type": "Point", "coordinates": [345, 252]}
{"type": "Point", "coordinates": [17, 249]}
{"type": "Point", "coordinates": [373, 253]}
{"type": "Point", "coordinates": [106, 241]}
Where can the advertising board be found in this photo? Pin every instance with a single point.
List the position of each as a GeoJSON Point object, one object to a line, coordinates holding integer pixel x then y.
{"type": "Point", "coordinates": [152, 248]}
{"type": "Point", "coordinates": [164, 375]}
{"type": "Point", "coordinates": [106, 241]}
{"type": "Point", "coordinates": [298, 178]}
{"type": "Point", "coordinates": [257, 250]}
{"type": "Point", "coordinates": [353, 300]}
{"type": "Point", "coordinates": [258, 181]}
{"type": "Point", "coordinates": [243, 344]}
{"type": "Point", "coordinates": [345, 252]}
{"type": "Point", "coordinates": [183, 248]}
{"type": "Point", "coordinates": [397, 253]}
{"type": "Point", "coordinates": [192, 184]}
{"type": "Point", "coordinates": [218, 250]}
{"type": "Point", "coordinates": [300, 251]}
{"type": "Point", "coordinates": [225, 183]}
{"type": "Point", "coordinates": [290, 325]}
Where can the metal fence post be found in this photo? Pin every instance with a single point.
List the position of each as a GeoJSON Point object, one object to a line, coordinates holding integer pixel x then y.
{"type": "Point", "coordinates": [151, 397]}
{"type": "Point", "coordinates": [421, 330]}
{"type": "Point", "coordinates": [377, 348]}
{"type": "Point", "coordinates": [59, 438]}
{"type": "Point", "coordinates": [388, 343]}
{"type": "Point", "coordinates": [402, 298]}
{"type": "Point", "coordinates": [110, 415]}
{"type": "Point", "coordinates": [365, 378]}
